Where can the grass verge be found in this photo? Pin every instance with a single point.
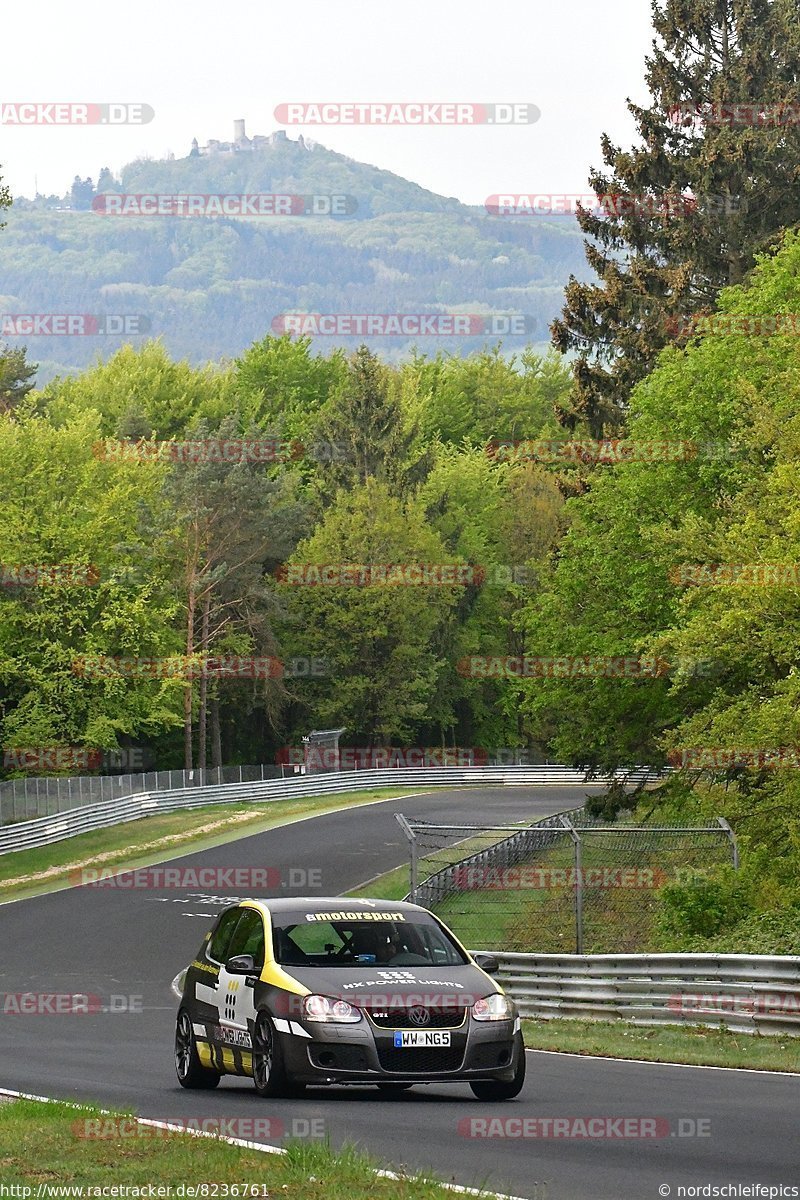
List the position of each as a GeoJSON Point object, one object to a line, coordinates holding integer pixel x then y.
{"type": "Point", "coordinates": [156, 839]}
{"type": "Point", "coordinates": [697, 1045]}
{"type": "Point", "coordinates": [39, 1145]}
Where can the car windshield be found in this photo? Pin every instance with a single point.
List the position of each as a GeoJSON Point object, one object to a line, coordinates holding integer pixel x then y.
{"type": "Point", "coordinates": [316, 941]}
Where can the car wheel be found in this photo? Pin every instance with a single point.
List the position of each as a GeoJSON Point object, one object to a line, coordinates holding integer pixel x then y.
{"type": "Point", "coordinates": [394, 1088]}
{"type": "Point", "coordinates": [498, 1089]}
{"type": "Point", "coordinates": [191, 1072]}
{"type": "Point", "coordinates": [269, 1073]}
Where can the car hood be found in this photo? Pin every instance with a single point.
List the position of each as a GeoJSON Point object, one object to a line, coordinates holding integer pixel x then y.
{"type": "Point", "coordinates": [398, 987]}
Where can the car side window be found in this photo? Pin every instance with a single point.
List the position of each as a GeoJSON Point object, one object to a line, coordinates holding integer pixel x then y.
{"type": "Point", "coordinates": [249, 937]}
{"type": "Point", "coordinates": [221, 938]}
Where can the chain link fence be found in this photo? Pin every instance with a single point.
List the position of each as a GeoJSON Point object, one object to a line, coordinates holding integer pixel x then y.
{"type": "Point", "coordinates": [567, 884]}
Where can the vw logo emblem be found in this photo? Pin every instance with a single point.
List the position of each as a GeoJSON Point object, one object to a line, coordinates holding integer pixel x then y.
{"type": "Point", "coordinates": [419, 1016]}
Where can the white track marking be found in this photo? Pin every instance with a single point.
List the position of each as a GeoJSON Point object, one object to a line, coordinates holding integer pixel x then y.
{"type": "Point", "coordinates": [245, 1145]}
{"type": "Point", "coordinates": [653, 1062]}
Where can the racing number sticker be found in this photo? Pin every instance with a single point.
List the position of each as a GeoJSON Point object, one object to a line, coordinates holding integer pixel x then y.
{"type": "Point", "coordinates": [230, 1000]}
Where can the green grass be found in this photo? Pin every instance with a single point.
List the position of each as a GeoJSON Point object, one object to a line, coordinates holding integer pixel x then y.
{"type": "Point", "coordinates": [39, 1145]}
{"type": "Point", "coordinates": [159, 838]}
{"type": "Point", "coordinates": [695, 1044]}
{"type": "Point", "coordinates": [393, 885]}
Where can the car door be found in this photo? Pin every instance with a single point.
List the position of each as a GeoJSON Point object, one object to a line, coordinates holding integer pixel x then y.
{"type": "Point", "coordinates": [235, 992]}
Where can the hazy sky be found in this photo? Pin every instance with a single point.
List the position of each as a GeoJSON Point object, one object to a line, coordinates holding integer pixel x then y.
{"type": "Point", "coordinates": [202, 64]}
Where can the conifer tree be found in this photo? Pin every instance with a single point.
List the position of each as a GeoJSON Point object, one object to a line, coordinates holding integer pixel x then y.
{"type": "Point", "coordinates": [712, 182]}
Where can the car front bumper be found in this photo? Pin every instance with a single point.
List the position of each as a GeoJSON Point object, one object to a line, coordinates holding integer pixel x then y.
{"type": "Point", "coordinates": [326, 1053]}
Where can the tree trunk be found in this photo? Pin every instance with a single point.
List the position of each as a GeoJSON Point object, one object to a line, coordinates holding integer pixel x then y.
{"type": "Point", "coordinates": [203, 708]}
{"type": "Point", "coordinates": [188, 693]}
{"type": "Point", "coordinates": [216, 734]}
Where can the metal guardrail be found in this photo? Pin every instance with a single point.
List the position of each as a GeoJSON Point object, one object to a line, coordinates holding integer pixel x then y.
{"type": "Point", "coordinates": [44, 831]}
{"type": "Point", "coordinates": [744, 993]}
{"type": "Point", "coordinates": [25, 799]}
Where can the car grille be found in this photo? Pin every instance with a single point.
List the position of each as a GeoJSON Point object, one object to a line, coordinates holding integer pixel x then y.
{"type": "Point", "coordinates": [398, 1018]}
{"type": "Point", "coordinates": [418, 1060]}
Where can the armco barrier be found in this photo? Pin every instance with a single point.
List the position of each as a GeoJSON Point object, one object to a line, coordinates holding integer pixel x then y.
{"type": "Point", "coordinates": [745, 993]}
{"type": "Point", "coordinates": [43, 831]}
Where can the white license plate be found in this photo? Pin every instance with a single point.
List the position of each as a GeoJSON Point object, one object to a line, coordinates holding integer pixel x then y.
{"type": "Point", "coordinates": [403, 1039]}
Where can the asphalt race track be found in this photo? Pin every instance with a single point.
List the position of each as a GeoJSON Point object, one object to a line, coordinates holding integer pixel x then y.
{"type": "Point", "coordinates": [131, 943]}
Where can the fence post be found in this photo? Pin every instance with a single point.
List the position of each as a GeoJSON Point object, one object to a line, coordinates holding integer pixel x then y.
{"type": "Point", "coordinates": [413, 865]}
{"type": "Point", "coordinates": [576, 841]}
{"type": "Point", "coordinates": [732, 840]}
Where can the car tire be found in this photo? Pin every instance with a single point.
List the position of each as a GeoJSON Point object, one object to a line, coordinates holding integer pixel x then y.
{"type": "Point", "coordinates": [498, 1089]}
{"type": "Point", "coordinates": [269, 1072]}
{"type": "Point", "coordinates": [190, 1071]}
{"type": "Point", "coordinates": [394, 1088]}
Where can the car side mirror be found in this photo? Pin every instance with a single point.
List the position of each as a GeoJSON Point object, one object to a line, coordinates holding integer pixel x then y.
{"type": "Point", "coordinates": [487, 963]}
{"type": "Point", "coordinates": [241, 964]}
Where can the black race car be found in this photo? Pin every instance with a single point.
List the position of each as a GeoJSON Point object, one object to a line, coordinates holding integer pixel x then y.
{"type": "Point", "coordinates": [296, 992]}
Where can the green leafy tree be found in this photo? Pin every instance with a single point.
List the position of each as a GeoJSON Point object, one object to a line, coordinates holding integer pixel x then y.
{"type": "Point", "coordinates": [106, 181]}
{"type": "Point", "coordinates": [5, 199]}
{"type": "Point", "coordinates": [63, 507]}
{"type": "Point", "coordinates": [485, 396]}
{"type": "Point", "coordinates": [81, 193]}
{"type": "Point", "coordinates": [503, 519]}
{"type": "Point", "coordinates": [16, 377]}
{"type": "Point", "coordinates": [379, 641]}
{"type": "Point", "coordinates": [142, 393]}
{"type": "Point", "coordinates": [282, 385]}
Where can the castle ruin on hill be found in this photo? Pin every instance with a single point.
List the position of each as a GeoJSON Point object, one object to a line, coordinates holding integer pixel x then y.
{"type": "Point", "coordinates": [242, 144]}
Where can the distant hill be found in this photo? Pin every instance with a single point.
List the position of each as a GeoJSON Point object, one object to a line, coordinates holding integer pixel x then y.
{"type": "Point", "coordinates": [211, 286]}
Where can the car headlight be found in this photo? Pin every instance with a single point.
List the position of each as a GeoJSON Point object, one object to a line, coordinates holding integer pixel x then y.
{"type": "Point", "coordinates": [323, 1008]}
{"type": "Point", "coordinates": [493, 1008]}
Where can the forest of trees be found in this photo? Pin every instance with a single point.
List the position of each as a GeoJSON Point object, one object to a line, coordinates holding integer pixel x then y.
{"type": "Point", "coordinates": [382, 465]}
{"type": "Point", "coordinates": [675, 552]}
